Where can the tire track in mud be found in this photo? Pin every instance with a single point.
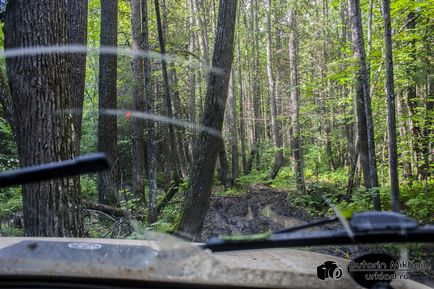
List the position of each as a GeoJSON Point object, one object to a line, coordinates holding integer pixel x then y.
{"type": "Point", "coordinates": [259, 210]}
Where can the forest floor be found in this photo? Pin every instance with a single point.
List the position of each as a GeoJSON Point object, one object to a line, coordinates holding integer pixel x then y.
{"type": "Point", "coordinates": [262, 208]}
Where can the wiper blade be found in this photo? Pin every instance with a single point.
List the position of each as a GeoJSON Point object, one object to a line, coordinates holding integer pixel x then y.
{"type": "Point", "coordinates": [85, 164]}
{"type": "Point", "coordinates": [368, 228]}
{"type": "Point", "coordinates": [320, 222]}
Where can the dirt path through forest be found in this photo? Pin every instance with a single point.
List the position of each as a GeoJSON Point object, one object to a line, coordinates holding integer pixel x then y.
{"type": "Point", "coordinates": [259, 210]}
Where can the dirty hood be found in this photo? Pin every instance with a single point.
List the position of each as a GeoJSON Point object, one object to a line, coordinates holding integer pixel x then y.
{"type": "Point", "coordinates": [164, 258]}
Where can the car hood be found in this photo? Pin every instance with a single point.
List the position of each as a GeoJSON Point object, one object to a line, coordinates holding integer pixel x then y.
{"type": "Point", "coordinates": [164, 258]}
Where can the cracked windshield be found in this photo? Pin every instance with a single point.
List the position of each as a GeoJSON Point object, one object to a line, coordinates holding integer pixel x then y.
{"type": "Point", "coordinates": [252, 143]}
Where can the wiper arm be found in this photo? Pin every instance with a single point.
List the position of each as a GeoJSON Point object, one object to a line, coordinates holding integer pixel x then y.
{"type": "Point", "coordinates": [320, 222]}
{"type": "Point", "coordinates": [368, 228]}
{"type": "Point", "coordinates": [85, 164]}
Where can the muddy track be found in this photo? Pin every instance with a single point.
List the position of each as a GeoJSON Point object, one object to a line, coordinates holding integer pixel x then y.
{"type": "Point", "coordinates": [263, 208]}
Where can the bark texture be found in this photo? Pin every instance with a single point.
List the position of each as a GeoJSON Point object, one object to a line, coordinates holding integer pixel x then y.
{"type": "Point", "coordinates": [40, 85]}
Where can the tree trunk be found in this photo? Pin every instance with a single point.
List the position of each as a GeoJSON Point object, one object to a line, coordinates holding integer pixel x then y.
{"type": "Point", "coordinates": [138, 124]}
{"type": "Point", "coordinates": [41, 98]}
{"type": "Point", "coordinates": [203, 39]}
{"type": "Point", "coordinates": [192, 77]}
{"type": "Point", "coordinates": [107, 123]}
{"type": "Point", "coordinates": [391, 115]}
{"type": "Point", "coordinates": [241, 105]}
{"type": "Point", "coordinates": [174, 156]}
{"type": "Point", "coordinates": [257, 127]}
{"type": "Point", "coordinates": [369, 36]}
{"type": "Point", "coordinates": [359, 53]}
{"type": "Point", "coordinates": [404, 136]}
{"type": "Point", "coordinates": [275, 127]}
{"type": "Point", "coordinates": [179, 131]}
{"type": "Point", "coordinates": [295, 131]}
{"type": "Point", "coordinates": [412, 100]}
{"type": "Point", "coordinates": [77, 35]}
{"type": "Point", "coordinates": [150, 131]}
{"type": "Point", "coordinates": [208, 146]}
{"type": "Point", "coordinates": [224, 168]}
{"type": "Point", "coordinates": [233, 120]}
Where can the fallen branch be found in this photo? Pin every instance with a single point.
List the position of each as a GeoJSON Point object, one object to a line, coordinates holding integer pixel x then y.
{"type": "Point", "coordinates": [106, 209]}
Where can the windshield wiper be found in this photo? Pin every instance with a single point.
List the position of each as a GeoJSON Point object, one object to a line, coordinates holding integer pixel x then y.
{"type": "Point", "coordinates": [368, 228]}
{"type": "Point", "coordinates": [320, 222]}
{"type": "Point", "coordinates": [80, 165]}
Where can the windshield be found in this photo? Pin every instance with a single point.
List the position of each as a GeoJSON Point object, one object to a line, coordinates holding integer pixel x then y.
{"type": "Point", "coordinates": [218, 118]}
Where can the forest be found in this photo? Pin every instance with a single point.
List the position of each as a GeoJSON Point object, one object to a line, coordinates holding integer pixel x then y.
{"type": "Point", "coordinates": [329, 102]}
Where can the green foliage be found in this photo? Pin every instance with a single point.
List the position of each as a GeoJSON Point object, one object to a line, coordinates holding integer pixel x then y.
{"type": "Point", "coordinates": [169, 217]}
{"type": "Point", "coordinates": [361, 201]}
{"type": "Point", "coordinates": [418, 199]}
{"type": "Point", "coordinates": [88, 187]}
{"type": "Point", "coordinates": [284, 180]}
{"type": "Point", "coordinates": [11, 231]}
{"type": "Point", "coordinates": [8, 151]}
{"type": "Point", "coordinates": [10, 202]}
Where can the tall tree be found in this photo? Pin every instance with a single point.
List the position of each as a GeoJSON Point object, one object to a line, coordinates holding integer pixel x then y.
{"type": "Point", "coordinates": [208, 146]}
{"type": "Point", "coordinates": [391, 117]}
{"type": "Point", "coordinates": [138, 124]}
{"type": "Point", "coordinates": [359, 46]}
{"type": "Point", "coordinates": [40, 85]}
{"type": "Point", "coordinates": [174, 156]}
{"type": "Point", "coordinates": [77, 35]}
{"type": "Point", "coordinates": [233, 121]}
{"type": "Point", "coordinates": [412, 98]}
{"type": "Point", "coordinates": [192, 79]}
{"type": "Point", "coordinates": [241, 106]}
{"type": "Point", "coordinates": [150, 131]}
{"type": "Point", "coordinates": [257, 122]}
{"type": "Point", "coordinates": [107, 123]}
{"type": "Point", "coordinates": [275, 127]}
{"type": "Point", "coordinates": [295, 130]}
